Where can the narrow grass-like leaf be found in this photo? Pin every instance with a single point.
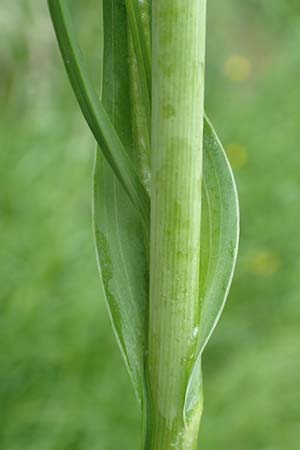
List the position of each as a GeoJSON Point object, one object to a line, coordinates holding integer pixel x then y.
{"type": "Point", "coordinates": [93, 111]}
{"type": "Point", "coordinates": [142, 9]}
{"type": "Point", "coordinates": [219, 245]}
{"type": "Point", "coordinates": [140, 126]}
{"type": "Point", "coordinates": [140, 13]}
{"type": "Point", "coordinates": [142, 51]}
{"type": "Point", "coordinates": [123, 268]}
{"type": "Point", "coordinates": [220, 233]}
{"type": "Point", "coordinates": [120, 239]}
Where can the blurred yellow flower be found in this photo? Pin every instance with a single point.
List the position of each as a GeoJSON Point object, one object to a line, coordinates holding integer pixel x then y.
{"type": "Point", "coordinates": [237, 155]}
{"type": "Point", "coordinates": [264, 263]}
{"type": "Point", "coordinates": [238, 68]}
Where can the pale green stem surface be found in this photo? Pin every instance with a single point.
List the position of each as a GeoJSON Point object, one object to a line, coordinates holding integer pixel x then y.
{"type": "Point", "coordinates": [178, 38]}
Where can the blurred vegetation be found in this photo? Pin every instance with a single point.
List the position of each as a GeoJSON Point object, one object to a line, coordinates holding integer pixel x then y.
{"type": "Point", "coordinates": [63, 385]}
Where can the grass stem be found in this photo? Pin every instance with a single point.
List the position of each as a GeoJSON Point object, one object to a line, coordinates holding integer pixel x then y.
{"type": "Point", "coordinates": [178, 54]}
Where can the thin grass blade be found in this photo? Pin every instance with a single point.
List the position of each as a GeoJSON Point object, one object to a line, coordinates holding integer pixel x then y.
{"type": "Point", "coordinates": [219, 246]}
{"type": "Point", "coordinates": [120, 238]}
{"type": "Point", "coordinates": [142, 52]}
{"type": "Point", "coordinates": [93, 111]}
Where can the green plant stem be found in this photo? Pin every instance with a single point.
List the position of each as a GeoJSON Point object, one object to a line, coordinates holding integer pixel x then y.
{"type": "Point", "coordinates": [178, 53]}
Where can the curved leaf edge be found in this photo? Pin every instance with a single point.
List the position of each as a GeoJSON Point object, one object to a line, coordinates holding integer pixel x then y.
{"type": "Point", "coordinates": [194, 391]}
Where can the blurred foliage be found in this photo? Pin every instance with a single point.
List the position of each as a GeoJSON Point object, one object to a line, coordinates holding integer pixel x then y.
{"type": "Point", "coordinates": [63, 385]}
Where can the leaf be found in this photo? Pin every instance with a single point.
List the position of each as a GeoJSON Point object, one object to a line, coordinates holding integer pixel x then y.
{"type": "Point", "coordinates": [96, 117]}
{"type": "Point", "coordinates": [120, 240]}
{"type": "Point", "coordinates": [142, 13]}
{"type": "Point", "coordinates": [220, 234]}
{"type": "Point", "coordinates": [219, 246]}
{"type": "Point", "coordinates": [139, 25]}
{"type": "Point", "coordinates": [123, 268]}
{"type": "Point", "coordinates": [142, 51]}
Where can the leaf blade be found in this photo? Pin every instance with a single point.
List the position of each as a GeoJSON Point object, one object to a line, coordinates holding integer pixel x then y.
{"type": "Point", "coordinates": [120, 238]}
{"type": "Point", "coordinates": [142, 52]}
{"type": "Point", "coordinates": [219, 246]}
{"type": "Point", "coordinates": [224, 234]}
{"type": "Point", "coordinates": [93, 111]}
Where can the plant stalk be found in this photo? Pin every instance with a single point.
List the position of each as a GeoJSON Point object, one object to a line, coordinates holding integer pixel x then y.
{"type": "Point", "coordinates": [178, 53]}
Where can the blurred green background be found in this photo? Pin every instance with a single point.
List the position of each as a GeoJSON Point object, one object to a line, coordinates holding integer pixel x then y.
{"type": "Point", "coordinates": [63, 384]}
